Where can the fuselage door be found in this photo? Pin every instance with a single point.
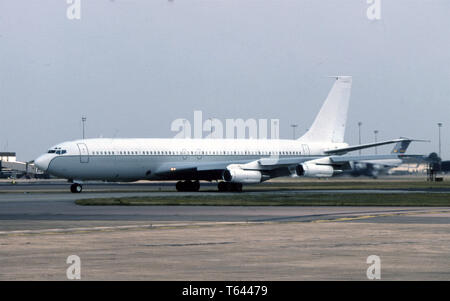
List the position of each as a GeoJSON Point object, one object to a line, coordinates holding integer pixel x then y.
{"type": "Point", "coordinates": [84, 154]}
{"type": "Point", "coordinates": [305, 149]}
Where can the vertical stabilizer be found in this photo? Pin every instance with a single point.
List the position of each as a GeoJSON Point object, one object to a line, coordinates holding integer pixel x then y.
{"type": "Point", "coordinates": [329, 125]}
{"type": "Point", "coordinates": [401, 147]}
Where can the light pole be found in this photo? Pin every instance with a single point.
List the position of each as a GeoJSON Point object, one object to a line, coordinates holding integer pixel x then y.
{"type": "Point", "coordinates": [83, 120]}
{"type": "Point", "coordinates": [293, 130]}
{"type": "Point", "coordinates": [375, 134]}
{"type": "Point", "coordinates": [359, 134]}
{"type": "Point", "coordinates": [439, 127]}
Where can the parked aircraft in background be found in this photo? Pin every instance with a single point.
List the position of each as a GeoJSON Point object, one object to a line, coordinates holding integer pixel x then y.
{"type": "Point", "coordinates": [373, 166]}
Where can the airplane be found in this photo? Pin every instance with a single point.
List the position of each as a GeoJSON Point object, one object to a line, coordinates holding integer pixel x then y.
{"type": "Point", "coordinates": [373, 166]}
{"type": "Point", "coordinates": [230, 162]}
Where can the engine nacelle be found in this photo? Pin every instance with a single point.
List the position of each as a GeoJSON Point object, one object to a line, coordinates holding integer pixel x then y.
{"type": "Point", "coordinates": [314, 171]}
{"type": "Point", "coordinates": [238, 175]}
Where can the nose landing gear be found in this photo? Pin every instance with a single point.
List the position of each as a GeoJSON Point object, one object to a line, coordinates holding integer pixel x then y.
{"type": "Point", "coordinates": [76, 188]}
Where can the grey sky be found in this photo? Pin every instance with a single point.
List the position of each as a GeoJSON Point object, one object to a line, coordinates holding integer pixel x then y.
{"type": "Point", "coordinates": [134, 66]}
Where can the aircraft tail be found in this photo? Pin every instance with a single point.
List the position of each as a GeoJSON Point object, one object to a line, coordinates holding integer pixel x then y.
{"type": "Point", "coordinates": [401, 147]}
{"type": "Point", "coordinates": [329, 125]}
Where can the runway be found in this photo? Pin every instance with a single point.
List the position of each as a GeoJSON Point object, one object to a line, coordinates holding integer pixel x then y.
{"type": "Point", "coordinates": [41, 226]}
{"type": "Point", "coordinates": [33, 206]}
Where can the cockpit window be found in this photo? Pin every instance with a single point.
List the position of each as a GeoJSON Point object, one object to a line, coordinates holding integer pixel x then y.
{"type": "Point", "coordinates": [57, 151]}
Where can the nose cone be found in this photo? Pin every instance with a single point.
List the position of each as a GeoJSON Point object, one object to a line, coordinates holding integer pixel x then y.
{"type": "Point", "coordinates": [42, 162]}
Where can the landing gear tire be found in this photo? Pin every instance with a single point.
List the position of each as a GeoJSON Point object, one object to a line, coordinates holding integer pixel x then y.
{"type": "Point", "coordinates": [222, 186]}
{"type": "Point", "coordinates": [196, 186]}
{"type": "Point", "coordinates": [76, 188]}
{"type": "Point", "coordinates": [188, 186]}
{"type": "Point", "coordinates": [229, 187]}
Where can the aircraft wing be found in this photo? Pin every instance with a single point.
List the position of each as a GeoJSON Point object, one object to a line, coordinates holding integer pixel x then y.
{"type": "Point", "coordinates": [287, 166]}
{"type": "Point", "coordinates": [333, 160]}
{"type": "Point", "coordinates": [344, 150]}
{"type": "Point", "coordinates": [340, 159]}
{"type": "Point", "coordinates": [278, 166]}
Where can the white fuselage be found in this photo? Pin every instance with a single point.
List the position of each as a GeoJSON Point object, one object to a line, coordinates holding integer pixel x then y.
{"type": "Point", "coordinates": [234, 160]}
{"type": "Point", "coordinates": [167, 159]}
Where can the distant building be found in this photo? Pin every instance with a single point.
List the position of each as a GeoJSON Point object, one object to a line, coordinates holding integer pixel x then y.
{"type": "Point", "coordinates": [11, 168]}
{"type": "Point", "coordinates": [7, 156]}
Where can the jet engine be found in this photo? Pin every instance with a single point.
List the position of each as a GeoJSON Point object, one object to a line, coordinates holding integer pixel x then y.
{"type": "Point", "coordinates": [238, 175]}
{"type": "Point", "coordinates": [314, 170]}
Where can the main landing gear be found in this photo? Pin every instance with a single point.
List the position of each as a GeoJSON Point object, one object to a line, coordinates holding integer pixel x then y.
{"type": "Point", "coordinates": [76, 188]}
{"type": "Point", "coordinates": [188, 185]}
{"type": "Point", "coordinates": [229, 186]}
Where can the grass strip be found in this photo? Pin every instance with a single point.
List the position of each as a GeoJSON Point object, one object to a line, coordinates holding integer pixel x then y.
{"type": "Point", "coordinates": [279, 199]}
